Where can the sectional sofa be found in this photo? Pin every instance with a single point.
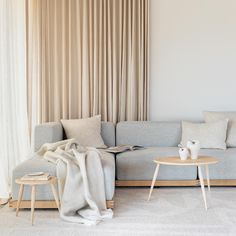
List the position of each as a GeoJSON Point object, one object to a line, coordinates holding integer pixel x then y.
{"type": "Point", "coordinates": [134, 168]}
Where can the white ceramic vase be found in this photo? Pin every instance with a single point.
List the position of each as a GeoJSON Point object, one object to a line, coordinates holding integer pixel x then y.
{"type": "Point", "coordinates": [183, 154]}
{"type": "Point", "coordinates": [194, 147]}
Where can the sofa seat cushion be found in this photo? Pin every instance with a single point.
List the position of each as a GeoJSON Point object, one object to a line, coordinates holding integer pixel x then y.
{"type": "Point", "coordinates": [226, 168]}
{"type": "Point", "coordinates": [44, 192]}
{"type": "Point", "coordinates": [148, 133]}
{"type": "Point", "coordinates": [139, 165]}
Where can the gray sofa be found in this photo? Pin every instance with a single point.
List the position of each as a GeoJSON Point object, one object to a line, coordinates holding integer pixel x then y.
{"type": "Point", "coordinates": [160, 139]}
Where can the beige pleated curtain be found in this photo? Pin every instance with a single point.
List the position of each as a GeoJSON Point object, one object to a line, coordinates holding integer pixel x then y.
{"type": "Point", "coordinates": [87, 57]}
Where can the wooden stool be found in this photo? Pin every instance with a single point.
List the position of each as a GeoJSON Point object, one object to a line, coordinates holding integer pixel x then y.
{"type": "Point", "coordinates": [33, 183]}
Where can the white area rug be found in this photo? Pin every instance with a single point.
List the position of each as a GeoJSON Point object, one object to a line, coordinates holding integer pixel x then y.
{"type": "Point", "coordinates": [171, 211]}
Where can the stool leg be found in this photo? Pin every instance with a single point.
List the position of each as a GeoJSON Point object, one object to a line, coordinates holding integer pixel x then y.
{"type": "Point", "coordinates": [54, 191]}
{"type": "Point", "coordinates": [21, 190]}
{"type": "Point", "coordinates": [33, 192]}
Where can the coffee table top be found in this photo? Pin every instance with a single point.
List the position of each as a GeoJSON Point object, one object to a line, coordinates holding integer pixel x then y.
{"type": "Point", "coordinates": [175, 160]}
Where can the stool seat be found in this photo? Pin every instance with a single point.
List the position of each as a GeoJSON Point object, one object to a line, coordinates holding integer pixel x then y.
{"type": "Point", "coordinates": [51, 180]}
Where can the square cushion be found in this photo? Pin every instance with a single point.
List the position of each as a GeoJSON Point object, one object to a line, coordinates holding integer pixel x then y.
{"type": "Point", "coordinates": [86, 131]}
{"type": "Point", "coordinates": [210, 116]}
{"type": "Point", "coordinates": [210, 135]}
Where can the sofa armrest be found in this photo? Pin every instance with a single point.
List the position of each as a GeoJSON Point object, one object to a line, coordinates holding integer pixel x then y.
{"type": "Point", "coordinates": [47, 133]}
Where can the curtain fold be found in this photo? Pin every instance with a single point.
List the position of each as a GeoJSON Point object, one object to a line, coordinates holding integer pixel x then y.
{"type": "Point", "coordinates": [14, 136]}
{"type": "Point", "coordinates": [87, 57]}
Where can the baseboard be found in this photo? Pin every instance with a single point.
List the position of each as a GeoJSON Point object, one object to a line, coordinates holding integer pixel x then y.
{"type": "Point", "coordinates": [46, 204]}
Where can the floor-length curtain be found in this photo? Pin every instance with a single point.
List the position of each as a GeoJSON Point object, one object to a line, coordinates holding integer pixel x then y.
{"type": "Point", "coordinates": [14, 135]}
{"type": "Point", "coordinates": [88, 57]}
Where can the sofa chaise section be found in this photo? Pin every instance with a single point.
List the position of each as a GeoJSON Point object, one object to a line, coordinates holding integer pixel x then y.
{"type": "Point", "coordinates": [53, 132]}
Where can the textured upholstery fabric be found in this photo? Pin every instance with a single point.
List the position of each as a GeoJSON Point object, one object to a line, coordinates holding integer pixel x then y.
{"type": "Point", "coordinates": [226, 168]}
{"type": "Point", "coordinates": [210, 135]}
{"type": "Point", "coordinates": [86, 131]}
{"type": "Point", "coordinates": [109, 169]}
{"type": "Point", "coordinates": [44, 192]}
{"type": "Point", "coordinates": [139, 165]}
{"type": "Point", "coordinates": [47, 133]}
{"type": "Point", "coordinates": [33, 165]}
{"type": "Point", "coordinates": [108, 133]}
{"type": "Point", "coordinates": [210, 116]}
{"type": "Point", "coordinates": [148, 134]}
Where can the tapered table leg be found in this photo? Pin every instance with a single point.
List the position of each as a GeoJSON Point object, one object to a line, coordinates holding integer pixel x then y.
{"type": "Point", "coordinates": [54, 191]}
{"type": "Point", "coordinates": [153, 180]}
{"type": "Point", "coordinates": [33, 192]}
{"type": "Point", "coordinates": [202, 186]}
{"type": "Point", "coordinates": [19, 198]}
{"type": "Point", "coordinates": [207, 176]}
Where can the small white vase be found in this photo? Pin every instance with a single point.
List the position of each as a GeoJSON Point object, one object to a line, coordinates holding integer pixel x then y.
{"type": "Point", "coordinates": [183, 154]}
{"type": "Point", "coordinates": [194, 147]}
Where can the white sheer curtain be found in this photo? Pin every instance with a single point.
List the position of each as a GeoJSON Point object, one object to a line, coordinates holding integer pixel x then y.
{"type": "Point", "coordinates": [14, 135]}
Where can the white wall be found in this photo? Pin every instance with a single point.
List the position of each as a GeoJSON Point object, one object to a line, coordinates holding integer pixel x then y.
{"type": "Point", "coordinates": [192, 58]}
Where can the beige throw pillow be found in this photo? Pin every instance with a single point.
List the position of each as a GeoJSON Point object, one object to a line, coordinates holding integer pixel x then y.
{"type": "Point", "coordinates": [210, 116]}
{"type": "Point", "coordinates": [210, 135]}
{"type": "Point", "coordinates": [86, 131]}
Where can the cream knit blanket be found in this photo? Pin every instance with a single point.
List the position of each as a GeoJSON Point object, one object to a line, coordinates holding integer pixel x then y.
{"type": "Point", "coordinates": [80, 181]}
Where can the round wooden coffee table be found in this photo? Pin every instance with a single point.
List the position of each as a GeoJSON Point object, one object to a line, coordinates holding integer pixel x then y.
{"type": "Point", "coordinates": [33, 184]}
{"type": "Point", "coordinates": [175, 161]}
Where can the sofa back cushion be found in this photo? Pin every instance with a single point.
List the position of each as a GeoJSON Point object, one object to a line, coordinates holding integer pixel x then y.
{"type": "Point", "coordinates": [49, 132]}
{"type": "Point", "coordinates": [53, 132]}
{"type": "Point", "coordinates": [108, 133]}
{"type": "Point", "coordinates": [148, 133]}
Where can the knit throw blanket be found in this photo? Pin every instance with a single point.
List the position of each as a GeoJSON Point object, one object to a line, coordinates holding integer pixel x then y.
{"type": "Point", "coordinates": [80, 181]}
